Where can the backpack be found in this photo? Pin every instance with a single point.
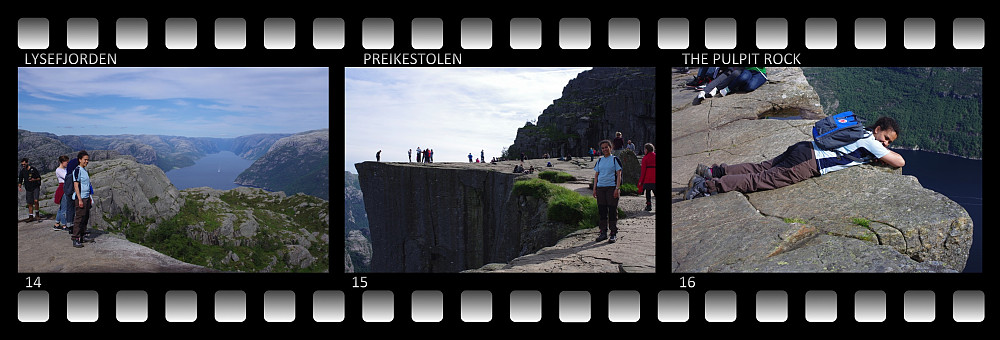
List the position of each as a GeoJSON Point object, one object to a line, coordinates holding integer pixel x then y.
{"type": "Point", "coordinates": [839, 130]}
{"type": "Point", "coordinates": [71, 173]}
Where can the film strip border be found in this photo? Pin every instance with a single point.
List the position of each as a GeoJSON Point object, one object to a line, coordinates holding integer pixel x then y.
{"type": "Point", "coordinates": [526, 306]}
{"type": "Point", "coordinates": [477, 33]}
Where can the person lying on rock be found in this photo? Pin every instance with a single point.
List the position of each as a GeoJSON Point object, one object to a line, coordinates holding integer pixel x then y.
{"type": "Point", "coordinates": [801, 161]}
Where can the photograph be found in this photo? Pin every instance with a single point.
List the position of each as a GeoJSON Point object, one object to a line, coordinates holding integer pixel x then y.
{"type": "Point", "coordinates": [500, 170]}
{"type": "Point", "coordinates": [826, 169]}
{"type": "Point", "coordinates": [173, 170]}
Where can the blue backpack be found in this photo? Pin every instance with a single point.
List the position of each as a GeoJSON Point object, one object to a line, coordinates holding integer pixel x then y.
{"type": "Point", "coordinates": [70, 173]}
{"type": "Point", "coordinates": [839, 130]}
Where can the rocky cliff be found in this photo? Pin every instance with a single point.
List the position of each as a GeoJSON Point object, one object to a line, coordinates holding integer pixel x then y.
{"type": "Point", "coordinates": [357, 240]}
{"type": "Point", "coordinates": [593, 106]}
{"type": "Point", "coordinates": [299, 163]}
{"type": "Point", "coordinates": [862, 219]}
{"type": "Point", "coordinates": [448, 217]}
{"type": "Point", "coordinates": [243, 229]}
{"type": "Point", "coordinates": [256, 145]}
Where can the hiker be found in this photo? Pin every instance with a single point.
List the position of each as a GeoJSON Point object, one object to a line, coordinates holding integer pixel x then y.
{"type": "Point", "coordinates": [725, 76]}
{"type": "Point", "coordinates": [482, 155]}
{"type": "Point", "coordinates": [592, 153]}
{"type": "Point", "coordinates": [750, 79]}
{"type": "Point", "coordinates": [618, 143]}
{"type": "Point", "coordinates": [705, 75]}
{"type": "Point", "coordinates": [61, 223]}
{"type": "Point", "coordinates": [418, 154]}
{"type": "Point", "coordinates": [68, 194]}
{"type": "Point", "coordinates": [430, 155]}
{"type": "Point", "coordinates": [630, 146]}
{"type": "Point", "coordinates": [647, 174]}
{"type": "Point", "coordinates": [409, 155]}
{"type": "Point", "coordinates": [82, 197]}
{"type": "Point", "coordinates": [799, 162]}
{"type": "Point", "coordinates": [470, 157]}
{"type": "Point", "coordinates": [378, 156]}
{"type": "Point", "coordinates": [32, 181]}
{"type": "Point", "coordinates": [607, 181]}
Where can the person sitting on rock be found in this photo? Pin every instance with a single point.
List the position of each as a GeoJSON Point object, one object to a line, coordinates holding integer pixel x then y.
{"type": "Point", "coordinates": [801, 161]}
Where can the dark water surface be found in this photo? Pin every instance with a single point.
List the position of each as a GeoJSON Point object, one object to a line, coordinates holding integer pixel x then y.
{"type": "Point", "coordinates": [961, 180]}
{"type": "Point", "coordinates": [217, 171]}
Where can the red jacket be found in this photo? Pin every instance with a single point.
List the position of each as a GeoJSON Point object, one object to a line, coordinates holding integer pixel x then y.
{"type": "Point", "coordinates": [647, 172]}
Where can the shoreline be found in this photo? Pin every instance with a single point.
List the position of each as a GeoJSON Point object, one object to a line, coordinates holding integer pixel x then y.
{"type": "Point", "coordinates": [940, 153]}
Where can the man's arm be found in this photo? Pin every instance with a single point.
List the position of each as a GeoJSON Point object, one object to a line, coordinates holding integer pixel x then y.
{"type": "Point", "coordinates": [893, 159]}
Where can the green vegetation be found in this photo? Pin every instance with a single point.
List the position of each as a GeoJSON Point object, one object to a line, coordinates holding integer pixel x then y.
{"type": "Point", "coordinates": [861, 222]}
{"type": "Point", "coordinates": [564, 205]}
{"type": "Point", "coordinates": [793, 220]}
{"type": "Point", "coordinates": [555, 176]}
{"type": "Point", "coordinates": [938, 109]}
{"type": "Point", "coordinates": [629, 189]}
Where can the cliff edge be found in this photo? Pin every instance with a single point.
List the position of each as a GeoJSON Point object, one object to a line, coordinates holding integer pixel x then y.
{"type": "Point", "coordinates": [862, 219]}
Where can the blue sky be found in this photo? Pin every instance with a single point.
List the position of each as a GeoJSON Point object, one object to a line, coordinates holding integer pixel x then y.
{"type": "Point", "coordinates": [192, 102]}
{"type": "Point", "coordinates": [454, 111]}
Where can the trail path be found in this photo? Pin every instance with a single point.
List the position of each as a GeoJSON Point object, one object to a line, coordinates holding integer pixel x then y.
{"type": "Point", "coordinates": [634, 252]}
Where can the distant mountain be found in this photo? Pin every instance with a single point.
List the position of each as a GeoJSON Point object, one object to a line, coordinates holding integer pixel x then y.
{"type": "Point", "coordinates": [939, 109]}
{"type": "Point", "coordinates": [256, 145]}
{"type": "Point", "coordinates": [299, 163]}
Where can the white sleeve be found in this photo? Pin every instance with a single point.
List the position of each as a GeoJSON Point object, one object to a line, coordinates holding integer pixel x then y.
{"type": "Point", "coordinates": [876, 147]}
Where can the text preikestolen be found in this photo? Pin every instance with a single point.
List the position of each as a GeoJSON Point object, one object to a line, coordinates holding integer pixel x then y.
{"type": "Point", "coordinates": [412, 58]}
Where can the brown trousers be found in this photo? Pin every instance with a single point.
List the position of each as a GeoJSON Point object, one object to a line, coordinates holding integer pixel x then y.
{"type": "Point", "coordinates": [82, 218]}
{"type": "Point", "coordinates": [796, 164]}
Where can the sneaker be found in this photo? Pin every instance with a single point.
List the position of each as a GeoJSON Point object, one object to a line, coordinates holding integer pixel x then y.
{"type": "Point", "coordinates": [711, 94]}
{"type": "Point", "coordinates": [696, 188]}
{"type": "Point", "coordinates": [704, 171]}
{"type": "Point", "coordinates": [57, 227]}
{"type": "Point", "coordinates": [77, 244]}
{"type": "Point", "coordinates": [613, 239]}
{"type": "Point", "coordinates": [724, 92]}
{"type": "Point", "coordinates": [31, 219]}
{"type": "Point", "coordinates": [649, 207]}
{"type": "Point", "coordinates": [601, 237]}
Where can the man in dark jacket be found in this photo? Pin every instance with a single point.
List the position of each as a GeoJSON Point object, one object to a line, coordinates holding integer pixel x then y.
{"type": "Point", "coordinates": [32, 181]}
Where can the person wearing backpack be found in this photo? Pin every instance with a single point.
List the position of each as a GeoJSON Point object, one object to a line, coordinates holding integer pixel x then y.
{"type": "Point", "coordinates": [58, 197]}
{"type": "Point", "coordinates": [32, 189]}
{"type": "Point", "coordinates": [607, 182]}
{"type": "Point", "coordinates": [82, 199]}
{"type": "Point", "coordinates": [799, 162]}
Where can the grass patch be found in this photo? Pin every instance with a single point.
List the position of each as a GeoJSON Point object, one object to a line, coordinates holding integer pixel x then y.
{"type": "Point", "coordinates": [860, 221]}
{"type": "Point", "coordinates": [793, 220]}
{"type": "Point", "coordinates": [564, 205]}
{"type": "Point", "coordinates": [629, 189]}
{"type": "Point", "coordinates": [555, 176]}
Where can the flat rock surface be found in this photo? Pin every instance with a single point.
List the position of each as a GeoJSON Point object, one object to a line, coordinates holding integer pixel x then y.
{"type": "Point", "coordinates": [42, 250]}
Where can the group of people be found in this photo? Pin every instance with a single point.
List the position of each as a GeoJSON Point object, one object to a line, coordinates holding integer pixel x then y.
{"type": "Point", "coordinates": [482, 156]}
{"type": "Point", "coordinates": [74, 195]}
{"type": "Point", "coordinates": [607, 186]}
{"type": "Point", "coordinates": [720, 81]}
{"type": "Point", "coordinates": [423, 156]}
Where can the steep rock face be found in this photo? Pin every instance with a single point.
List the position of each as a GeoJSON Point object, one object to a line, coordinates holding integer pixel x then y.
{"type": "Point", "coordinates": [41, 149]}
{"type": "Point", "coordinates": [357, 243]}
{"type": "Point", "coordinates": [445, 217]}
{"type": "Point", "coordinates": [306, 155]}
{"type": "Point", "coordinates": [256, 145]}
{"type": "Point", "coordinates": [594, 106]}
{"type": "Point", "coordinates": [861, 219]}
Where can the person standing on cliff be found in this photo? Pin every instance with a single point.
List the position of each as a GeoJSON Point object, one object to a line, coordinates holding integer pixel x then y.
{"type": "Point", "coordinates": [607, 181]}
{"type": "Point", "coordinates": [32, 181]}
{"type": "Point", "coordinates": [64, 204]}
{"type": "Point", "coordinates": [378, 156]}
{"type": "Point", "coordinates": [409, 155]}
{"type": "Point", "coordinates": [418, 154]}
{"type": "Point", "coordinates": [482, 155]}
{"type": "Point", "coordinates": [82, 198]}
{"type": "Point", "coordinates": [618, 143]}
{"type": "Point", "coordinates": [647, 174]}
{"type": "Point", "coordinates": [470, 157]}
{"type": "Point", "coordinates": [801, 161]}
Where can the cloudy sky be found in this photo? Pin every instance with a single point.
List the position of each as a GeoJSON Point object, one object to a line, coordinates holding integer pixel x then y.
{"type": "Point", "coordinates": [454, 111]}
{"type": "Point", "coordinates": [192, 102]}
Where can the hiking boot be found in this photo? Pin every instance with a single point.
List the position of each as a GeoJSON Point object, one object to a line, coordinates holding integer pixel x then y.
{"type": "Point", "coordinates": [601, 237]}
{"type": "Point", "coordinates": [30, 219]}
{"type": "Point", "coordinates": [649, 207]}
{"type": "Point", "coordinates": [696, 188]}
{"type": "Point", "coordinates": [704, 171]}
{"type": "Point", "coordinates": [613, 239]}
{"type": "Point", "coordinates": [77, 244]}
{"type": "Point", "coordinates": [57, 227]}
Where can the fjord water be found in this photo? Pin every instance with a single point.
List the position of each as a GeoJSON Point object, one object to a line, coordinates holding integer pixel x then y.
{"type": "Point", "coordinates": [960, 179]}
{"type": "Point", "coordinates": [217, 171]}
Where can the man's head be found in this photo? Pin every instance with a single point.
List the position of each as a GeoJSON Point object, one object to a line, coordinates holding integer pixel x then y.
{"type": "Point", "coordinates": [885, 130]}
{"type": "Point", "coordinates": [24, 162]}
{"type": "Point", "coordinates": [605, 147]}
